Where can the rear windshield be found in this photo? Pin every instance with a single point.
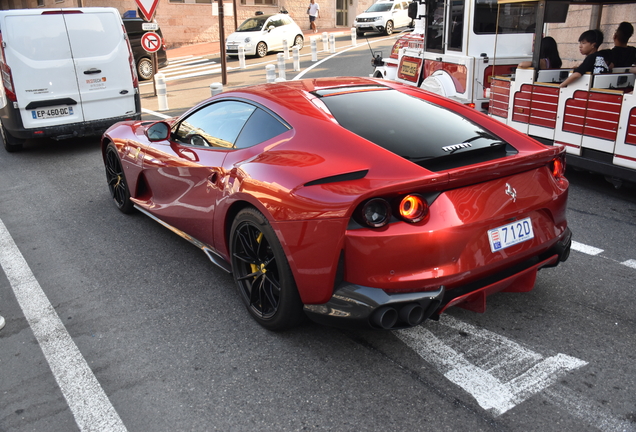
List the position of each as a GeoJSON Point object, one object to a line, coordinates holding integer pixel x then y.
{"type": "Point", "coordinates": [420, 131]}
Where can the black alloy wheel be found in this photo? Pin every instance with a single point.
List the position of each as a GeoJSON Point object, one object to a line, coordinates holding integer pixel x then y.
{"type": "Point", "coordinates": [262, 274]}
{"type": "Point", "coordinates": [117, 181]}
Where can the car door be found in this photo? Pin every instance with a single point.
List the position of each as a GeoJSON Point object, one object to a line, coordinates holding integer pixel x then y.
{"type": "Point", "coordinates": [275, 36]}
{"type": "Point", "coordinates": [185, 175]}
{"type": "Point", "coordinates": [101, 57]}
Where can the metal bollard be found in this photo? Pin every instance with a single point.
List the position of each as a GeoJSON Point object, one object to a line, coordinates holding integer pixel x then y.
{"type": "Point", "coordinates": [314, 50]}
{"type": "Point", "coordinates": [286, 49]}
{"type": "Point", "coordinates": [354, 36]}
{"type": "Point", "coordinates": [281, 66]}
{"type": "Point", "coordinates": [332, 43]}
{"type": "Point", "coordinates": [241, 55]}
{"type": "Point", "coordinates": [162, 93]}
{"type": "Point", "coordinates": [325, 35]}
{"type": "Point", "coordinates": [216, 88]}
{"type": "Point", "coordinates": [270, 73]}
{"type": "Point", "coordinates": [296, 55]}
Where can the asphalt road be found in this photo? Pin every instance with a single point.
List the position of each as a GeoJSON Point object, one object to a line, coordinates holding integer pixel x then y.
{"type": "Point", "coordinates": [163, 342]}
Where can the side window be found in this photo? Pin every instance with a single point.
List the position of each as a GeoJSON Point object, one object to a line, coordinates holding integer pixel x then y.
{"type": "Point", "coordinates": [215, 125]}
{"type": "Point", "coordinates": [456, 26]}
{"type": "Point", "coordinates": [260, 127]}
{"type": "Point", "coordinates": [398, 6]}
{"type": "Point", "coordinates": [286, 21]}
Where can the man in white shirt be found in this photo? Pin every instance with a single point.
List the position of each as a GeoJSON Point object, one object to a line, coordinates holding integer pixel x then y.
{"type": "Point", "coordinates": [314, 12]}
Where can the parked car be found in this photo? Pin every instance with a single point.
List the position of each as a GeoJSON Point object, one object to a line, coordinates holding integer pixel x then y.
{"type": "Point", "coordinates": [383, 17]}
{"type": "Point", "coordinates": [264, 33]}
{"type": "Point", "coordinates": [143, 59]}
{"type": "Point", "coordinates": [65, 73]}
{"type": "Point", "coordinates": [376, 218]}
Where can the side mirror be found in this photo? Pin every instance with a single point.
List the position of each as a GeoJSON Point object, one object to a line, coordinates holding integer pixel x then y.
{"type": "Point", "coordinates": [270, 28]}
{"type": "Point", "coordinates": [159, 131]}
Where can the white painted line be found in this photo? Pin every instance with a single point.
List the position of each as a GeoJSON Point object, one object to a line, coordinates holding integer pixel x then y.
{"type": "Point", "coordinates": [498, 372]}
{"type": "Point", "coordinates": [83, 393]}
{"type": "Point", "coordinates": [588, 411]}
{"type": "Point", "coordinates": [630, 263]}
{"type": "Point", "coordinates": [156, 114]}
{"type": "Point", "coordinates": [590, 250]}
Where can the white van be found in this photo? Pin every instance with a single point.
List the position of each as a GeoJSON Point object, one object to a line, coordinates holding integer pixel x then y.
{"type": "Point", "coordinates": [65, 73]}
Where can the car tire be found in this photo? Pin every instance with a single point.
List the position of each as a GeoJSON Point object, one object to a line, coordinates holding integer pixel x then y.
{"type": "Point", "coordinates": [299, 42]}
{"type": "Point", "coordinates": [388, 28]}
{"type": "Point", "coordinates": [144, 69]}
{"type": "Point", "coordinates": [262, 274]}
{"type": "Point", "coordinates": [11, 143]}
{"type": "Point", "coordinates": [261, 49]}
{"type": "Point", "coordinates": [116, 179]}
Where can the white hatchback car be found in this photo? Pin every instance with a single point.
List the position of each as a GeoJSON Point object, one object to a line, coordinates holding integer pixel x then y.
{"type": "Point", "coordinates": [263, 33]}
{"type": "Point", "coordinates": [383, 17]}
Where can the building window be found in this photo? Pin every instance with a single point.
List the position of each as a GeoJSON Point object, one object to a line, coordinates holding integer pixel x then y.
{"type": "Point", "coordinates": [192, 1]}
{"type": "Point", "coordinates": [259, 2]}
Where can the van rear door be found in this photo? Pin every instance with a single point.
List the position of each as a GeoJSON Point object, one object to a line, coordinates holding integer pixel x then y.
{"type": "Point", "coordinates": [39, 54]}
{"type": "Point", "coordinates": [102, 62]}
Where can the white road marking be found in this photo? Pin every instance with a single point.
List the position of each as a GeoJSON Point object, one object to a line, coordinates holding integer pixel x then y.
{"type": "Point", "coordinates": [586, 410]}
{"type": "Point", "coordinates": [498, 372]}
{"type": "Point", "coordinates": [83, 393]}
{"type": "Point", "coordinates": [156, 114]}
{"type": "Point", "coordinates": [590, 250]}
{"type": "Point", "coordinates": [630, 263]}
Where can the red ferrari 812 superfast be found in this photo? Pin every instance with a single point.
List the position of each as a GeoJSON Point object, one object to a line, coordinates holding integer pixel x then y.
{"type": "Point", "coordinates": [354, 201]}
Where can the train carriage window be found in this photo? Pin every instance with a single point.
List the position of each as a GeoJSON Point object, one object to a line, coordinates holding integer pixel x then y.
{"type": "Point", "coordinates": [513, 17]}
{"type": "Point", "coordinates": [435, 26]}
{"type": "Point", "coordinates": [456, 25]}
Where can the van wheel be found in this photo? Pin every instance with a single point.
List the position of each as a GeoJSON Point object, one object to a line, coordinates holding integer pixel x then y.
{"type": "Point", "coordinates": [144, 69]}
{"type": "Point", "coordinates": [11, 143]}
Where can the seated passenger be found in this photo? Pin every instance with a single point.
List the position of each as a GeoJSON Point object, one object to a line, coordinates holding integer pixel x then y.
{"type": "Point", "coordinates": [595, 61]}
{"type": "Point", "coordinates": [623, 55]}
{"type": "Point", "coordinates": [549, 55]}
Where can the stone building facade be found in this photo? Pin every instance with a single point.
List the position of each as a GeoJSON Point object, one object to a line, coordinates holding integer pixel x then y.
{"type": "Point", "coordinates": [186, 22]}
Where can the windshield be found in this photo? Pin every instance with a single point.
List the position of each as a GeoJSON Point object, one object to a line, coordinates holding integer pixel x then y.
{"type": "Point", "coordinates": [253, 24]}
{"type": "Point", "coordinates": [380, 7]}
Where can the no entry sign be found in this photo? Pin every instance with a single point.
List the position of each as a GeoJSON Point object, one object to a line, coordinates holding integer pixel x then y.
{"type": "Point", "coordinates": [151, 42]}
{"type": "Point", "coordinates": [147, 8]}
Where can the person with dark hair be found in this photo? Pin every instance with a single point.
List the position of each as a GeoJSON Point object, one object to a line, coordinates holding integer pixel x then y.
{"type": "Point", "coordinates": [549, 55]}
{"type": "Point", "coordinates": [623, 55]}
{"type": "Point", "coordinates": [595, 61]}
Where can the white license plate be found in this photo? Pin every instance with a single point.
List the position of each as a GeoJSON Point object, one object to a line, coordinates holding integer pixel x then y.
{"type": "Point", "coordinates": [46, 113]}
{"type": "Point", "coordinates": [511, 234]}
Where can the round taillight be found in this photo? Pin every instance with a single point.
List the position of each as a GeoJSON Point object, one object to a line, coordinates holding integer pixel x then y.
{"type": "Point", "coordinates": [376, 212]}
{"type": "Point", "coordinates": [558, 168]}
{"type": "Point", "coordinates": [413, 208]}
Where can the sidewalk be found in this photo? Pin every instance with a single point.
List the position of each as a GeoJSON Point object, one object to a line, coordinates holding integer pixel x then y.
{"type": "Point", "coordinates": [214, 48]}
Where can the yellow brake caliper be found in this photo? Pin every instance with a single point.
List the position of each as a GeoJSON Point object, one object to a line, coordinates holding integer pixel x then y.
{"type": "Point", "coordinates": [255, 268]}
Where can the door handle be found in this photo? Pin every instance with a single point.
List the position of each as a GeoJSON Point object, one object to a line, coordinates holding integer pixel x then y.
{"type": "Point", "coordinates": [92, 71]}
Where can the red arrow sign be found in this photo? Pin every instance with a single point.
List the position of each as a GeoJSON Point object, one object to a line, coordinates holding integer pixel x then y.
{"type": "Point", "coordinates": [151, 42]}
{"type": "Point", "coordinates": [147, 8]}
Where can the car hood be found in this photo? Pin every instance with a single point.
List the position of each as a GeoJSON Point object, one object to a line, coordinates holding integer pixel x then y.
{"type": "Point", "coordinates": [371, 14]}
{"type": "Point", "coordinates": [241, 36]}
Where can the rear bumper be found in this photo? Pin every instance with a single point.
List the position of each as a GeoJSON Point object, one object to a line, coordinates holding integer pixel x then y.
{"type": "Point", "coordinates": [72, 130]}
{"type": "Point", "coordinates": [358, 306]}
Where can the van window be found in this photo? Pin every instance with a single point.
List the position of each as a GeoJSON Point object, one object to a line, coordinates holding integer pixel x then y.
{"type": "Point", "coordinates": [49, 45]}
{"type": "Point", "coordinates": [99, 33]}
